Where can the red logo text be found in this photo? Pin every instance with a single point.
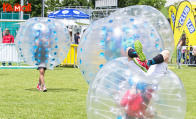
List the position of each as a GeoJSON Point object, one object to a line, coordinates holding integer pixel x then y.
{"type": "Point", "coordinates": [16, 8]}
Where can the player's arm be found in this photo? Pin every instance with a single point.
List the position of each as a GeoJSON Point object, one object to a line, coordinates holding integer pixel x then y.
{"type": "Point", "coordinates": [49, 43]}
{"type": "Point", "coordinates": [79, 40]}
{"type": "Point", "coordinates": [12, 40]}
{"type": "Point", "coordinates": [36, 41]}
{"type": "Point", "coordinates": [3, 39]}
{"type": "Point", "coordinates": [180, 43]}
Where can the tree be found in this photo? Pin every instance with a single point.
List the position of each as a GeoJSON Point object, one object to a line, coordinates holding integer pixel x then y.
{"type": "Point", "coordinates": [92, 3]}
{"type": "Point", "coordinates": [36, 8]}
{"type": "Point", "coordinates": [164, 10]}
{"type": "Point", "coordinates": [121, 3]}
{"type": "Point", "coordinates": [154, 3]}
{"type": "Point", "coordinates": [75, 3]}
{"type": "Point", "coordinates": [124, 3]}
{"type": "Point", "coordinates": [51, 4]}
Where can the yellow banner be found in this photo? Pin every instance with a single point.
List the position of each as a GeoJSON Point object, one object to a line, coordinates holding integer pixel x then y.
{"type": "Point", "coordinates": [190, 31]}
{"type": "Point", "coordinates": [184, 22]}
{"type": "Point", "coordinates": [172, 16]}
{"type": "Point", "coordinates": [194, 7]}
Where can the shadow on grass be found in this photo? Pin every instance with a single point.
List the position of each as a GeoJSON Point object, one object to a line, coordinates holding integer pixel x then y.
{"type": "Point", "coordinates": [4, 74]}
{"type": "Point", "coordinates": [55, 89]}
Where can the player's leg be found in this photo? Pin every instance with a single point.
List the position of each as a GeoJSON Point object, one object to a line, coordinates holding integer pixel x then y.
{"type": "Point", "coordinates": [42, 72]}
{"type": "Point", "coordinates": [138, 56]}
{"type": "Point", "coordinates": [179, 55]}
{"type": "Point", "coordinates": [3, 63]}
{"type": "Point", "coordinates": [39, 84]}
{"type": "Point", "coordinates": [166, 55]}
{"type": "Point", "coordinates": [139, 50]}
{"type": "Point", "coordinates": [131, 53]}
{"type": "Point", "coordinates": [159, 64]}
{"type": "Point", "coordinates": [9, 63]}
{"type": "Point", "coordinates": [160, 58]}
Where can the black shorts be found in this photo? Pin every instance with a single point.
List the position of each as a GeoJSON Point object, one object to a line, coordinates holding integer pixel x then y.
{"type": "Point", "coordinates": [41, 68]}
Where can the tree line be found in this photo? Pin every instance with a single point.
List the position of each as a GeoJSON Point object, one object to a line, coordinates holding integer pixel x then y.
{"type": "Point", "coordinates": [36, 5]}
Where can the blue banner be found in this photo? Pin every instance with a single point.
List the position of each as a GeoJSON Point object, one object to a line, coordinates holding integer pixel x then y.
{"type": "Point", "coordinates": [184, 15]}
{"type": "Point", "coordinates": [190, 26]}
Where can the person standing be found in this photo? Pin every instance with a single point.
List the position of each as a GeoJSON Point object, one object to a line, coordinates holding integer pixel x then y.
{"type": "Point", "coordinates": [77, 38]}
{"type": "Point", "coordinates": [41, 55]}
{"type": "Point", "coordinates": [7, 38]}
{"type": "Point", "coordinates": [181, 43]}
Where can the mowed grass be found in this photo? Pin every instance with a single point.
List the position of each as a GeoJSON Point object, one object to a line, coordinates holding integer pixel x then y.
{"type": "Point", "coordinates": [188, 77]}
{"type": "Point", "coordinates": [66, 96]}
{"type": "Point", "coordinates": [65, 99]}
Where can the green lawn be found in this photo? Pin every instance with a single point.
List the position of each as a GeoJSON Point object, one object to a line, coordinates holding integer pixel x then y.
{"type": "Point", "coordinates": [188, 77]}
{"type": "Point", "coordinates": [66, 96]}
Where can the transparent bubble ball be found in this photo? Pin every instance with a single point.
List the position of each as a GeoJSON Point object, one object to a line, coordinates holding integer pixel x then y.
{"type": "Point", "coordinates": [43, 42]}
{"type": "Point", "coordinates": [119, 91]}
{"type": "Point", "coordinates": [108, 38]}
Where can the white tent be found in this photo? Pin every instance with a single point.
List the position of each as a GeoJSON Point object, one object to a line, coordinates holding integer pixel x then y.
{"type": "Point", "coordinates": [68, 22]}
{"type": "Point", "coordinates": [84, 21]}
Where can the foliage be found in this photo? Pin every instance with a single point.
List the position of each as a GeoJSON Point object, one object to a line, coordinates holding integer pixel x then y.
{"type": "Point", "coordinates": [51, 4]}
{"type": "Point", "coordinates": [75, 3]}
{"type": "Point", "coordinates": [92, 2]}
{"type": "Point", "coordinates": [154, 3]}
{"type": "Point", "coordinates": [36, 7]}
{"type": "Point", "coordinates": [125, 3]}
{"type": "Point", "coordinates": [164, 10]}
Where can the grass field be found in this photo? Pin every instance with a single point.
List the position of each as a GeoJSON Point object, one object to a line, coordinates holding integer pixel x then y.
{"type": "Point", "coordinates": [66, 96]}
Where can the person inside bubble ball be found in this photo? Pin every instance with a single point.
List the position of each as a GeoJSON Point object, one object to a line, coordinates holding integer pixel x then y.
{"type": "Point", "coordinates": [137, 98]}
{"type": "Point", "coordinates": [41, 54]}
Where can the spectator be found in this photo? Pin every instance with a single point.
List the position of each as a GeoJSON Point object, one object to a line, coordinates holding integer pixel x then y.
{"type": "Point", "coordinates": [70, 33]}
{"type": "Point", "coordinates": [194, 50]}
{"type": "Point", "coordinates": [77, 38]}
{"type": "Point", "coordinates": [7, 38]}
{"type": "Point", "coordinates": [43, 45]}
{"type": "Point", "coordinates": [181, 43]}
{"type": "Point", "coordinates": [193, 55]}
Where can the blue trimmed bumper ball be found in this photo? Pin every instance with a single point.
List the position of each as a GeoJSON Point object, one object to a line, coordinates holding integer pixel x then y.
{"type": "Point", "coordinates": [43, 42]}
{"type": "Point", "coordinates": [119, 91]}
{"type": "Point", "coordinates": [108, 38]}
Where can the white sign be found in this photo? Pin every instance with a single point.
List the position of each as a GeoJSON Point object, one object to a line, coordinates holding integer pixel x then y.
{"type": "Point", "coordinates": [65, 11]}
{"type": "Point", "coordinates": [8, 53]}
{"type": "Point", "coordinates": [76, 12]}
{"type": "Point", "coordinates": [105, 3]}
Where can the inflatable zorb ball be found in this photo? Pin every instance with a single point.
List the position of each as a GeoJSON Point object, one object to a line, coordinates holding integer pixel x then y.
{"type": "Point", "coordinates": [108, 38]}
{"type": "Point", "coordinates": [119, 91]}
{"type": "Point", "coordinates": [155, 18]}
{"type": "Point", "coordinates": [43, 42]}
